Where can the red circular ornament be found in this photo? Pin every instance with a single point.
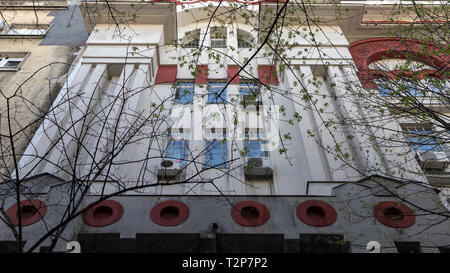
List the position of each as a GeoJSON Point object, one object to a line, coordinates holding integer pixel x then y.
{"type": "Point", "coordinates": [31, 212]}
{"type": "Point", "coordinates": [169, 213]}
{"type": "Point", "coordinates": [316, 213]}
{"type": "Point", "coordinates": [394, 214]}
{"type": "Point", "coordinates": [250, 213]}
{"type": "Point", "coordinates": [103, 214]}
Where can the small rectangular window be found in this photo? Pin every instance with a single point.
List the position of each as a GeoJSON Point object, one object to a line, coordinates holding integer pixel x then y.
{"type": "Point", "coordinates": [177, 150]}
{"type": "Point", "coordinates": [191, 39]}
{"type": "Point", "coordinates": [12, 60]}
{"type": "Point", "coordinates": [245, 40]}
{"type": "Point", "coordinates": [184, 91]}
{"type": "Point", "coordinates": [216, 91]}
{"type": "Point", "coordinates": [216, 153]}
{"type": "Point", "coordinates": [12, 63]}
{"type": "Point", "coordinates": [249, 87]}
{"type": "Point", "coordinates": [383, 87]}
{"type": "Point", "coordinates": [219, 38]}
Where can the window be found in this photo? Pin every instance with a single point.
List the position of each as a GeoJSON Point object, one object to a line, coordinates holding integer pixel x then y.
{"type": "Point", "coordinates": [245, 40]}
{"type": "Point", "coordinates": [177, 150]}
{"type": "Point", "coordinates": [383, 87]}
{"type": "Point", "coordinates": [421, 139]}
{"type": "Point", "coordinates": [215, 93]}
{"type": "Point", "coordinates": [248, 87]}
{"type": "Point", "coordinates": [12, 60]}
{"type": "Point", "coordinates": [254, 145]}
{"type": "Point", "coordinates": [184, 91]}
{"type": "Point", "coordinates": [405, 87]}
{"type": "Point", "coordinates": [218, 37]}
{"type": "Point", "coordinates": [25, 29]}
{"type": "Point", "coordinates": [216, 153]}
{"type": "Point", "coordinates": [191, 39]}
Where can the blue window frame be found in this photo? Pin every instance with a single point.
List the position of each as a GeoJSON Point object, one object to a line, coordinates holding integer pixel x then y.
{"type": "Point", "coordinates": [248, 87]}
{"type": "Point", "coordinates": [383, 87]}
{"type": "Point", "coordinates": [421, 139]}
{"type": "Point", "coordinates": [253, 146]}
{"type": "Point", "coordinates": [214, 89]}
{"type": "Point", "coordinates": [216, 154]}
{"type": "Point", "coordinates": [416, 89]}
{"type": "Point", "coordinates": [177, 150]}
{"type": "Point", "coordinates": [184, 92]}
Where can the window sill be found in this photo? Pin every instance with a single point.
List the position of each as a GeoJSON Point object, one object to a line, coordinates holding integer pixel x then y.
{"type": "Point", "coordinates": [19, 36]}
{"type": "Point", "coordinates": [213, 168]}
{"type": "Point", "coordinates": [9, 69]}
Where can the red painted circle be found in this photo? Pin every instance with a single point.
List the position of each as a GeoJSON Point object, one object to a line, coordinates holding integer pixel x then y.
{"type": "Point", "coordinates": [250, 213]}
{"type": "Point", "coordinates": [103, 214]}
{"type": "Point", "coordinates": [31, 212]}
{"type": "Point", "coordinates": [169, 213]}
{"type": "Point", "coordinates": [316, 213]}
{"type": "Point", "coordinates": [393, 214]}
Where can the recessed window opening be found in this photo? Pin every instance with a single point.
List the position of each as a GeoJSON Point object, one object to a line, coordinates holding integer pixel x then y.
{"type": "Point", "coordinates": [216, 91]}
{"type": "Point", "coordinates": [177, 149]}
{"type": "Point", "coordinates": [249, 87]}
{"type": "Point", "coordinates": [422, 139]}
{"type": "Point", "coordinates": [245, 39]}
{"type": "Point", "coordinates": [27, 212]}
{"type": "Point", "coordinates": [103, 212]}
{"type": "Point", "coordinates": [191, 39]}
{"type": "Point", "coordinates": [250, 212]}
{"type": "Point", "coordinates": [216, 155]}
{"type": "Point", "coordinates": [169, 213]}
{"type": "Point", "coordinates": [393, 213]}
{"type": "Point", "coordinates": [255, 144]}
{"type": "Point", "coordinates": [184, 93]}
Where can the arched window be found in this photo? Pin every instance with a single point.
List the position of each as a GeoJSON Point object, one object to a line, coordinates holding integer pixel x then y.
{"type": "Point", "coordinates": [191, 39]}
{"type": "Point", "coordinates": [245, 39]}
{"type": "Point", "coordinates": [392, 58]}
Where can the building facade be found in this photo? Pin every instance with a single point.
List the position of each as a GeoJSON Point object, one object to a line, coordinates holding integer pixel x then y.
{"type": "Point", "coordinates": [220, 138]}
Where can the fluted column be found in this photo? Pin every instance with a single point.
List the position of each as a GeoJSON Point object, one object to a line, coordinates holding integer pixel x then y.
{"type": "Point", "coordinates": [43, 140]}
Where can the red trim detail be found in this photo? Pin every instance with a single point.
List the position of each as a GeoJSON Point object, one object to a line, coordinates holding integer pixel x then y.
{"type": "Point", "coordinates": [262, 211]}
{"type": "Point", "coordinates": [407, 220]}
{"type": "Point", "coordinates": [329, 214]}
{"type": "Point", "coordinates": [368, 51]}
{"type": "Point", "coordinates": [93, 220]}
{"type": "Point", "coordinates": [267, 74]}
{"type": "Point", "coordinates": [201, 74]}
{"type": "Point", "coordinates": [180, 207]}
{"type": "Point", "coordinates": [233, 70]}
{"type": "Point", "coordinates": [167, 74]}
{"type": "Point", "coordinates": [39, 206]}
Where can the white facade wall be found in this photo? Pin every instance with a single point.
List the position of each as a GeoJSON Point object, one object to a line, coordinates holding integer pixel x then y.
{"type": "Point", "coordinates": [114, 81]}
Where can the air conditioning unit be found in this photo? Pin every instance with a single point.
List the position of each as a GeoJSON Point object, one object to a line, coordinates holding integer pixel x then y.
{"type": "Point", "coordinates": [170, 170]}
{"type": "Point", "coordinates": [251, 101]}
{"type": "Point", "coordinates": [433, 160]}
{"type": "Point", "coordinates": [258, 168]}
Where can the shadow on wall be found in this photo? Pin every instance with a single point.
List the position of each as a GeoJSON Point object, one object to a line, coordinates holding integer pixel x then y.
{"type": "Point", "coordinates": [67, 28]}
